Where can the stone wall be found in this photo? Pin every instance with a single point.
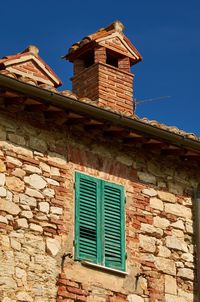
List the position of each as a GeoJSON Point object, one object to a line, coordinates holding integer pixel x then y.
{"type": "Point", "coordinates": [37, 165]}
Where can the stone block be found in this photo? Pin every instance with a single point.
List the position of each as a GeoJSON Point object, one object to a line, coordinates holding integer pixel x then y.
{"type": "Point", "coordinates": [15, 244]}
{"type": "Point", "coordinates": [6, 299]}
{"type": "Point", "coordinates": [147, 243]}
{"type": "Point", "coordinates": [156, 203]}
{"type": "Point", "coordinates": [178, 233]}
{"type": "Point", "coordinates": [146, 177]}
{"type": "Point", "coordinates": [14, 183]}
{"type": "Point", "coordinates": [22, 223]}
{"type": "Point", "coordinates": [43, 207]}
{"type": "Point", "coordinates": [175, 243]}
{"type": "Point", "coordinates": [3, 192]}
{"type": "Point", "coordinates": [186, 273]}
{"type": "Point", "coordinates": [9, 195]}
{"type": "Point", "coordinates": [2, 166]}
{"type": "Point", "coordinates": [49, 192]}
{"type": "Point", "coordinates": [17, 139]}
{"type": "Point", "coordinates": [34, 193]}
{"type": "Point", "coordinates": [2, 179]}
{"type": "Point", "coordinates": [3, 219]}
{"type": "Point", "coordinates": [18, 172]}
{"type": "Point", "coordinates": [31, 169]}
{"type": "Point", "coordinates": [27, 200]}
{"type": "Point", "coordinates": [7, 283]}
{"type": "Point", "coordinates": [149, 192]}
{"type": "Point", "coordinates": [161, 223]}
{"type": "Point", "coordinates": [166, 266]}
{"type": "Point", "coordinates": [163, 251]}
{"type": "Point", "coordinates": [26, 214]}
{"type": "Point", "coordinates": [35, 181]}
{"type": "Point", "coordinates": [36, 227]}
{"type": "Point", "coordinates": [166, 196]}
{"type": "Point", "coordinates": [135, 298]}
{"type": "Point", "coordinates": [23, 297]}
{"type": "Point", "coordinates": [45, 167]}
{"type": "Point", "coordinates": [52, 246]}
{"type": "Point", "coordinates": [178, 210]}
{"type": "Point", "coordinates": [170, 285]}
{"type": "Point", "coordinates": [187, 257]}
{"type": "Point", "coordinates": [56, 210]}
{"type": "Point", "coordinates": [189, 227]}
{"type": "Point", "coordinates": [12, 160]}
{"type": "Point", "coordinates": [54, 171]}
{"type": "Point", "coordinates": [172, 298]}
{"type": "Point", "coordinates": [152, 230]}
{"type": "Point", "coordinates": [124, 159]}
{"type": "Point", "coordinates": [176, 188]}
{"type": "Point", "coordinates": [189, 296]}
{"type": "Point", "coordinates": [52, 182]}
{"type": "Point", "coordinates": [9, 207]}
{"type": "Point", "coordinates": [57, 158]}
{"type": "Point", "coordinates": [20, 273]}
{"type": "Point", "coordinates": [178, 225]}
{"type": "Point", "coordinates": [38, 144]}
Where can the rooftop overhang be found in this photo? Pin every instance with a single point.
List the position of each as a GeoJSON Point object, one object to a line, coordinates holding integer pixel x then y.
{"type": "Point", "coordinates": [130, 129]}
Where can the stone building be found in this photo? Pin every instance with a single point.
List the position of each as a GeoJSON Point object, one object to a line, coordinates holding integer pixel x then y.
{"type": "Point", "coordinates": [96, 204]}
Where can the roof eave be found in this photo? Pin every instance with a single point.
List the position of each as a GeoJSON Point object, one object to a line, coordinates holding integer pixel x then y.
{"type": "Point", "coordinates": [64, 102]}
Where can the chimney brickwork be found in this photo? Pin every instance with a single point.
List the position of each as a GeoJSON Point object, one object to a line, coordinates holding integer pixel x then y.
{"type": "Point", "coordinates": [102, 68]}
{"type": "Point", "coordinates": [107, 85]}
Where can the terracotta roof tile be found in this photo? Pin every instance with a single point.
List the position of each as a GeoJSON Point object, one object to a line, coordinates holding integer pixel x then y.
{"type": "Point", "coordinates": [70, 94]}
{"type": "Point", "coordinates": [31, 51]}
{"type": "Point", "coordinates": [116, 26]}
{"type": "Point", "coordinates": [154, 123]}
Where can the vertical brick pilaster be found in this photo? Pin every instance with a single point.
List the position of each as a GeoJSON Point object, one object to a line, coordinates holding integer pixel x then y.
{"type": "Point", "coordinates": [124, 64]}
{"type": "Point", "coordinates": [78, 66]}
{"type": "Point", "coordinates": [100, 55]}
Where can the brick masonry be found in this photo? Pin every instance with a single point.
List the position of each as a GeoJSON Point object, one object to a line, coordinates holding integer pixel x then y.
{"type": "Point", "coordinates": [37, 165]}
{"type": "Point", "coordinates": [106, 85]}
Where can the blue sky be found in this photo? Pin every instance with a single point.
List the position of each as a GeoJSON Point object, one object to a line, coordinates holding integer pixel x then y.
{"type": "Point", "coordinates": [167, 34]}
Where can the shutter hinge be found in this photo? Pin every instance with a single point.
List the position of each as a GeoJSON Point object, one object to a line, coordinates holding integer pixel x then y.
{"type": "Point", "coordinates": [74, 242]}
{"type": "Point", "coordinates": [125, 199]}
{"type": "Point", "coordinates": [126, 255]}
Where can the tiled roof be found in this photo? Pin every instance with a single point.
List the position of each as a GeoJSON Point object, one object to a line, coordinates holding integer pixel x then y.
{"type": "Point", "coordinates": [29, 54]}
{"type": "Point", "coordinates": [33, 51]}
{"type": "Point", "coordinates": [115, 27]}
{"type": "Point", "coordinates": [154, 123]}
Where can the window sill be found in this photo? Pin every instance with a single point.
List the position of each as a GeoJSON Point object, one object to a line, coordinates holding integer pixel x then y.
{"type": "Point", "coordinates": [104, 268]}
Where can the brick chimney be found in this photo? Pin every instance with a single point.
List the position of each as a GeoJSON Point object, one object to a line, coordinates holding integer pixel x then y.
{"type": "Point", "coordinates": [102, 63]}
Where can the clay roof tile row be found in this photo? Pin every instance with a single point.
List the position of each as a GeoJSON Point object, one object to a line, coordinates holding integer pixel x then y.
{"type": "Point", "coordinates": [70, 94]}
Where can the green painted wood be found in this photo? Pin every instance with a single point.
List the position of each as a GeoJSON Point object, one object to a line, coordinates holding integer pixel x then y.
{"type": "Point", "coordinates": [86, 197]}
{"type": "Point", "coordinates": [99, 222]}
{"type": "Point", "coordinates": [114, 228]}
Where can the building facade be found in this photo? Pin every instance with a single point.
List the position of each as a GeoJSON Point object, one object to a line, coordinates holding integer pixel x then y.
{"type": "Point", "coordinates": [96, 204]}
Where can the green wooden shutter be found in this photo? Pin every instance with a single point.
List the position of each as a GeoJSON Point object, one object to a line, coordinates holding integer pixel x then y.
{"type": "Point", "coordinates": [114, 229]}
{"type": "Point", "coordinates": [87, 209]}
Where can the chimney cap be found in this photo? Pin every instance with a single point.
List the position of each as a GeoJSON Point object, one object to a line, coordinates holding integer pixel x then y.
{"type": "Point", "coordinates": [102, 37]}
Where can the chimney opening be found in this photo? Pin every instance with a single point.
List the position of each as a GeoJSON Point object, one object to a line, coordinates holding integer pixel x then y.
{"type": "Point", "coordinates": [112, 58]}
{"type": "Point", "coordinates": [88, 59]}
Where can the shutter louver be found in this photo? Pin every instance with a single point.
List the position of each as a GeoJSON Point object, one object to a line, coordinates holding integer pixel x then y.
{"type": "Point", "coordinates": [99, 227]}
{"type": "Point", "coordinates": [114, 226]}
{"type": "Point", "coordinates": [86, 218]}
